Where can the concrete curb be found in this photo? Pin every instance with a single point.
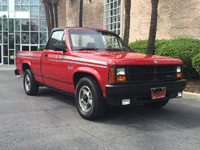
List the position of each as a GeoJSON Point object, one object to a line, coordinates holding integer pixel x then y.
{"type": "Point", "coordinates": [7, 67]}
{"type": "Point", "coordinates": [192, 96]}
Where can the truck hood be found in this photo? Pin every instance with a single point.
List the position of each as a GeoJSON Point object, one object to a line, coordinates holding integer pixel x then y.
{"type": "Point", "coordinates": [128, 58]}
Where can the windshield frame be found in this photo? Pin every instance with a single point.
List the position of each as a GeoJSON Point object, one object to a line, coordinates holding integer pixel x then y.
{"type": "Point", "coordinates": [104, 32]}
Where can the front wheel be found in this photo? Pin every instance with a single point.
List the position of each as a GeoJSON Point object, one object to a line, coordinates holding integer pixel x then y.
{"type": "Point", "coordinates": [30, 85]}
{"type": "Point", "coordinates": [89, 99]}
{"type": "Point", "coordinates": [157, 104]}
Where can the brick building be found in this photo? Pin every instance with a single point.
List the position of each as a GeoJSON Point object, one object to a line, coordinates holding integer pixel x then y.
{"type": "Point", "coordinates": [175, 17]}
{"type": "Point", "coordinates": [23, 22]}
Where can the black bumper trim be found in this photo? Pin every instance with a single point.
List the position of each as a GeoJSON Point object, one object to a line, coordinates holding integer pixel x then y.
{"type": "Point", "coordinates": [142, 92]}
{"type": "Point", "coordinates": [16, 72]}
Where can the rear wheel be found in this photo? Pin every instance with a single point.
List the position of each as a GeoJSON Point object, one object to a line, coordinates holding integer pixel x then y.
{"type": "Point", "coordinates": [157, 104]}
{"type": "Point", "coordinates": [89, 99]}
{"type": "Point", "coordinates": [30, 85]}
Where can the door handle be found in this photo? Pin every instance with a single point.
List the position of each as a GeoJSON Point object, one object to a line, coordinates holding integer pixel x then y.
{"type": "Point", "coordinates": [45, 55]}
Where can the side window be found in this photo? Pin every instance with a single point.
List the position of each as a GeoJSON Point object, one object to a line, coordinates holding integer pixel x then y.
{"type": "Point", "coordinates": [56, 38]}
{"type": "Point", "coordinates": [74, 38]}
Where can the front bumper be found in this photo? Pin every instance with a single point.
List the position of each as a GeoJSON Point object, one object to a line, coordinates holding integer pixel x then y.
{"type": "Point", "coordinates": [141, 93]}
{"type": "Point", "coordinates": [16, 72]}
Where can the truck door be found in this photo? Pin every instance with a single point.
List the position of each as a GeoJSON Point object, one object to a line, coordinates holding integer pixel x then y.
{"type": "Point", "coordinates": [53, 72]}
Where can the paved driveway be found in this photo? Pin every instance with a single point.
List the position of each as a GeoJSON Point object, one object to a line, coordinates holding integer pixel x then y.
{"type": "Point", "coordinates": [50, 121]}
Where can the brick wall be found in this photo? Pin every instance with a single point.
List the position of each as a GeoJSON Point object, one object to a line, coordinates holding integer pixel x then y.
{"type": "Point", "coordinates": [183, 19]}
{"type": "Point", "coordinates": [175, 18]}
{"type": "Point", "coordinates": [140, 19]}
{"type": "Point", "coordinates": [93, 13]}
{"type": "Point", "coordinates": [62, 13]}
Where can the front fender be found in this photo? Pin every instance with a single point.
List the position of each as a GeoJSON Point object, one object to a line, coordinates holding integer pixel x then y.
{"type": "Point", "coordinates": [89, 71]}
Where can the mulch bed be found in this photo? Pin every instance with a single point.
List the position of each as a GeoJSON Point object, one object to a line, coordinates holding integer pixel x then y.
{"type": "Point", "coordinates": [193, 85]}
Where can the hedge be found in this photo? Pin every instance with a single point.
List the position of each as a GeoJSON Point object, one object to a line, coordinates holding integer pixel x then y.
{"type": "Point", "coordinates": [196, 62]}
{"type": "Point", "coordinates": [181, 48]}
{"type": "Point", "coordinates": [40, 49]}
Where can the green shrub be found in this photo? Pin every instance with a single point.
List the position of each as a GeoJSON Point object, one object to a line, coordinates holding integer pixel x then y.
{"type": "Point", "coordinates": [140, 46]}
{"type": "Point", "coordinates": [184, 49]}
{"type": "Point", "coordinates": [181, 48]}
{"type": "Point", "coordinates": [40, 49]}
{"type": "Point", "coordinates": [196, 62]}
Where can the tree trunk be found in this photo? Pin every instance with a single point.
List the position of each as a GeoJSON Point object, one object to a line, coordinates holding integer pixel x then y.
{"type": "Point", "coordinates": [127, 20]}
{"type": "Point", "coordinates": [46, 7]}
{"type": "Point", "coordinates": [153, 26]}
{"type": "Point", "coordinates": [56, 14]}
{"type": "Point", "coordinates": [80, 13]}
{"type": "Point", "coordinates": [51, 14]}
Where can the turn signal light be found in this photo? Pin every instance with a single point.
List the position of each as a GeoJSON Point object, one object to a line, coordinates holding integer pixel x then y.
{"type": "Point", "coordinates": [111, 75]}
{"type": "Point", "coordinates": [179, 75]}
{"type": "Point", "coordinates": [121, 78]}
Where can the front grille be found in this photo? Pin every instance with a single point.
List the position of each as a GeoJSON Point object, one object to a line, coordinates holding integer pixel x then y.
{"type": "Point", "coordinates": [151, 73]}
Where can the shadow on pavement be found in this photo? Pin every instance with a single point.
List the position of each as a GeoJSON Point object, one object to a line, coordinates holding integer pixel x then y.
{"type": "Point", "coordinates": [174, 115]}
{"type": "Point", "coordinates": [46, 92]}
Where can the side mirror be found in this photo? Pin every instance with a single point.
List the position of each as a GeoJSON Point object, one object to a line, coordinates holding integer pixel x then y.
{"type": "Point", "coordinates": [60, 47]}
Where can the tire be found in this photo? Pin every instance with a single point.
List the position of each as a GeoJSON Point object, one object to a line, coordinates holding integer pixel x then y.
{"type": "Point", "coordinates": [89, 99]}
{"type": "Point", "coordinates": [157, 104]}
{"type": "Point", "coordinates": [30, 85]}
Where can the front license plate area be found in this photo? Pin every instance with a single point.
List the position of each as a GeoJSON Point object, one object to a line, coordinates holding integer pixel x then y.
{"type": "Point", "coordinates": [158, 92]}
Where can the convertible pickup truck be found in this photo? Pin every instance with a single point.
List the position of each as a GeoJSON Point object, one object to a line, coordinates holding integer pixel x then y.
{"type": "Point", "coordinates": [98, 69]}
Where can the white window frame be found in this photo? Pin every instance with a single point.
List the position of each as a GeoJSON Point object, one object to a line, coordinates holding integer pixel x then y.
{"type": "Point", "coordinates": [107, 25]}
{"type": "Point", "coordinates": [29, 45]}
{"type": "Point", "coordinates": [12, 14]}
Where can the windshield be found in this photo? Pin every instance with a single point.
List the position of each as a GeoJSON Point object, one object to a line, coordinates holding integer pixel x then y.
{"type": "Point", "coordinates": [85, 39]}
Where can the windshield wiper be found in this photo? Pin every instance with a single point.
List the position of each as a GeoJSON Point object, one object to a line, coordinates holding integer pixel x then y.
{"type": "Point", "coordinates": [114, 49]}
{"type": "Point", "coordinates": [117, 49]}
{"type": "Point", "coordinates": [87, 49]}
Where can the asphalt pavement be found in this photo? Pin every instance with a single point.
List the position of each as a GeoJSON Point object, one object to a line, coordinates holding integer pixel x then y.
{"type": "Point", "coordinates": [50, 121]}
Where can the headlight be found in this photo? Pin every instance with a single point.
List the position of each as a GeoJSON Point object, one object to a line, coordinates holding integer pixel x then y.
{"type": "Point", "coordinates": [117, 75]}
{"type": "Point", "coordinates": [121, 71]}
{"type": "Point", "coordinates": [178, 69]}
{"type": "Point", "coordinates": [178, 72]}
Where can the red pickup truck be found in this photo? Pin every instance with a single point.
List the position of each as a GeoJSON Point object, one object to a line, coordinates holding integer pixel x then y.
{"type": "Point", "coordinates": [99, 69]}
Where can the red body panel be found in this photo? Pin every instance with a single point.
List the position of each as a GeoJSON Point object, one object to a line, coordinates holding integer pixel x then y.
{"type": "Point", "coordinates": [57, 68]}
